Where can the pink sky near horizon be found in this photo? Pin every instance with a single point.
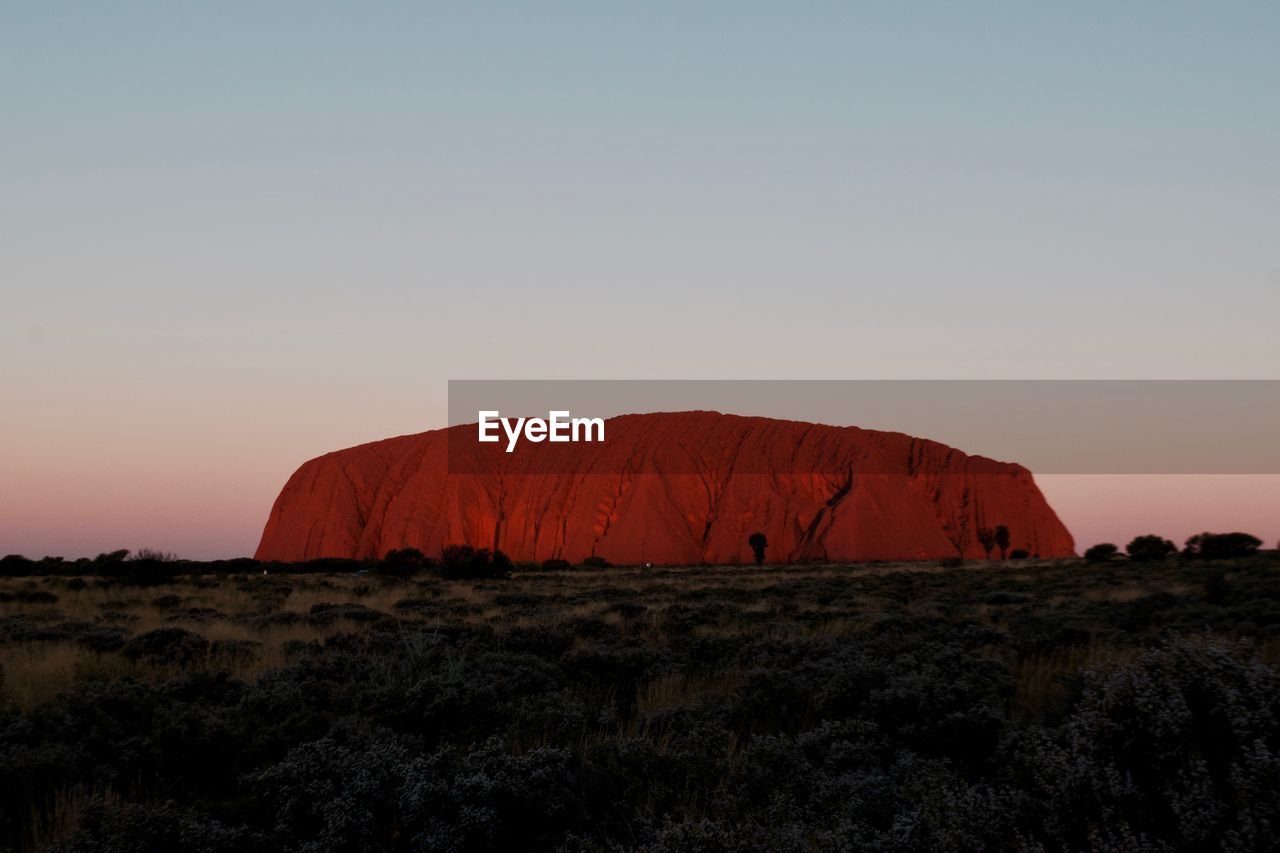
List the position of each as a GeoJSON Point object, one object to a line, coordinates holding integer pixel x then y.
{"type": "Point", "coordinates": [210, 500]}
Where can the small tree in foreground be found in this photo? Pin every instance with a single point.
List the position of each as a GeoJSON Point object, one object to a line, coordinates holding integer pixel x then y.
{"type": "Point", "coordinates": [1002, 540]}
{"type": "Point", "coordinates": [987, 539]}
{"type": "Point", "coordinates": [758, 542]}
{"type": "Point", "coordinates": [1150, 548]}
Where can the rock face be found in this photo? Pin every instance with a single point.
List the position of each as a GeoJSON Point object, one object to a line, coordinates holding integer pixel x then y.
{"type": "Point", "coordinates": [670, 488]}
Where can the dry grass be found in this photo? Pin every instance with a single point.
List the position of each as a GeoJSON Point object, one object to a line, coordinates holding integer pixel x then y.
{"type": "Point", "coordinates": [57, 821]}
{"type": "Point", "coordinates": [36, 671]}
{"type": "Point", "coordinates": [678, 689]}
{"type": "Point", "coordinates": [751, 602]}
{"type": "Point", "coordinates": [1043, 680]}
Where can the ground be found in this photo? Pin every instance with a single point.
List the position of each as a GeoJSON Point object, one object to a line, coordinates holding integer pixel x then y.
{"type": "Point", "coordinates": [993, 705]}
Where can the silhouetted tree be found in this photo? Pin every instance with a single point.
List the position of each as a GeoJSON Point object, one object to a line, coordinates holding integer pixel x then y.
{"type": "Point", "coordinates": [758, 542]}
{"type": "Point", "coordinates": [1002, 540]}
{"type": "Point", "coordinates": [987, 539]}
{"type": "Point", "coordinates": [1222, 546]}
{"type": "Point", "coordinates": [146, 567]}
{"type": "Point", "coordinates": [1150, 548]}
{"type": "Point", "coordinates": [1101, 553]}
{"type": "Point", "coordinates": [153, 554]}
{"type": "Point", "coordinates": [112, 556]}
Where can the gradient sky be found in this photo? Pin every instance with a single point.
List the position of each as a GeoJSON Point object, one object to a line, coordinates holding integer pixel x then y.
{"type": "Point", "coordinates": [234, 236]}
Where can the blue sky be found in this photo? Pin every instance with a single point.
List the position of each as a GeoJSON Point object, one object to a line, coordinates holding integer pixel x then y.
{"type": "Point", "coordinates": [234, 236]}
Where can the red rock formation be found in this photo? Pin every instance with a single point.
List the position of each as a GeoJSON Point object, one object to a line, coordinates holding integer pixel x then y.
{"type": "Point", "coordinates": [671, 488]}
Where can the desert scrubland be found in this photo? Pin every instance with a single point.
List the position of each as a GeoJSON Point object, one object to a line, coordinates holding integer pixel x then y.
{"type": "Point", "coordinates": [1023, 704]}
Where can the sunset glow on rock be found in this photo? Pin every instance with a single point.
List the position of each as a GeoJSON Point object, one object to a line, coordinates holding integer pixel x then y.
{"type": "Point", "coordinates": [672, 488]}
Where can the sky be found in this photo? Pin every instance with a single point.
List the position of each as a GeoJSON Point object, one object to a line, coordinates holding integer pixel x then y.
{"type": "Point", "coordinates": [235, 236]}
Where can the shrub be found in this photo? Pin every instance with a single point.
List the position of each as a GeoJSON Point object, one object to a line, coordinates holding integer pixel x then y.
{"type": "Point", "coordinates": [488, 799]}
{"type": "Point", "coordinates": [145, 572]}
{"type": "Point", "coordinates": [403, 562]}
{"type": "Point", "coordinates": [101, 639]}
{"type": "Point", "coordinates": [1019, 554]}
{"type": "Point", "coordinates": [112, 556]}
{"type": "Point", "coordinates": [16, 565]}
{"type": "Point", "coordinates": [126, 826]}
{"type": "Point", "coordinates": [1101, 553]}
{"type": "Point", "coordinates": [595, 562]}
{"type": "Point", "coordinates": [344, 565]}
{"type": "Point", "coordinates": [456, 555]}
{"type": "Point", "coordinates": [341, 792]}
{"type": "Point", "coordinates": [462, 562]}
{"type": "Point", "coordinates": [35, 596]}
{"type": "Point", "coordinates": [555, 564]}
{"type": "Point", "coordinates": [1216, 587]}
{"type": "Point", "coordinates": [166, 646]}
{"type": "Point", "coordinates": [1179, 749]}
{"type": "Point", "coordinates": [758, 542]}
{"type": "Point", "coordinates": [1150, 548]}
